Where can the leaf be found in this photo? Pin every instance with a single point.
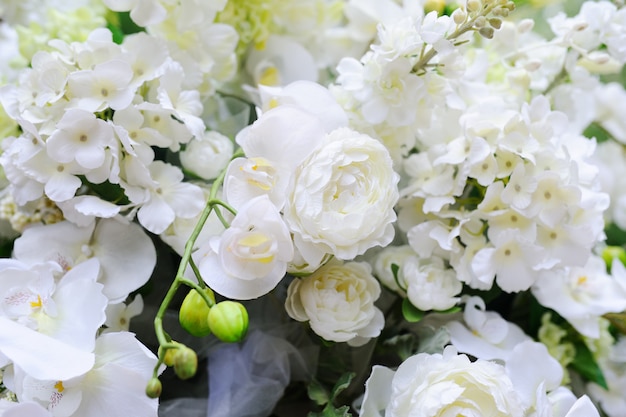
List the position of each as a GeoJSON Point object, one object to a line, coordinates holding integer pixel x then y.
{"type": "Point", "coordinates": [394, 270]}
{"type": "Point", "coordinates": [342, 384]}
{"type": "Point", "coordinates": [594, 130]}
{"type": "Point", "coordinates": [343, 411]}
{"type": "Point", "coordinates": [618, 320]}
{"type": "Point", "coordinates": [411, 313]}
{"type": "Point", "coordinates": [317, 393]}
{"type": "Point", "coordinates": [585, 364]}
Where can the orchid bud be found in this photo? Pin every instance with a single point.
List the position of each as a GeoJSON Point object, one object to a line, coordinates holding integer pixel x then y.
{"type": "Point", "coordinates": [167, 355]}
{"type": "Point", "coordinates": [185, 362]}
{"type": "Point", "coordinates": [194, 311]}
{"type": "Point", "coordinates": [154, 388]}
{"type": "Point", "coordinates": [228, 321]}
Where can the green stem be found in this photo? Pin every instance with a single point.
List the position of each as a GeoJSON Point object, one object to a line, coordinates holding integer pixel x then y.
{"type": "Point", "coordinates": [212, 202]}
{"type": "Point", "coordinates": [463, 28]}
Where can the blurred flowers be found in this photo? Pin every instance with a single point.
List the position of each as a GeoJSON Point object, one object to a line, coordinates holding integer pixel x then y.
{"type": "Point", "coordinates": [373, 207]}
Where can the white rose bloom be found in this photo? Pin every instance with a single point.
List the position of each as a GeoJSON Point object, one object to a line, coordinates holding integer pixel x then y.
{"type": "Point", "coordinates": [431, 286]}
{"type": "Point", "coordinates": [338, 301]}
{"type": "Point", "coordinates": [435, 385]}
{"type": "Point", "coordinates": [342, 197]}
{"type": "Point", "coordinates": [250, 258]}
{"type": "Point", "coordinates": [207, 156]}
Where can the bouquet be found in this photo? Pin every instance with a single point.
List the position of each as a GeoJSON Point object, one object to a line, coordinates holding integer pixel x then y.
{"type": "Point", "coordinates": [312, 207]}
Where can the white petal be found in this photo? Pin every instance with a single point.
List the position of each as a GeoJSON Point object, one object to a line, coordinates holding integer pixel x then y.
{"type": "Point", "coordinates": [377, 392]}
{"type": "Point", "coordinates": [41, 356]}
{"type": "Point", "coordinates": [156, 216]}
{"type": "Point", "coordinates": [127, 257]}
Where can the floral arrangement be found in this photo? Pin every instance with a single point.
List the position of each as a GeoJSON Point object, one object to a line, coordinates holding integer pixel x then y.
{"type": "Point", "coordinates": [312, 207]}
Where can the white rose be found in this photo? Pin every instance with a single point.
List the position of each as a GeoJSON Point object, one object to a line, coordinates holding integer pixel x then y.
{"type": "Point", "coordinates": [250, 258]}
{"type": "Point", "coordinates": [435, 385]}
{"type": "Point", "coordinates": [431, 286]}
{"type": "Point", "coordinates": [338, 301]}
{"type": "Point", "coordinates": [343, 196]}
{"type": "Point", "coordinates": [207, 156]}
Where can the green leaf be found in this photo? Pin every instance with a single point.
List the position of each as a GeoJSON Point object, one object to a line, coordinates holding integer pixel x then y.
{"type": "Point", "coordinates": [585, 364]}
{"type": "Point", "coordinates": [113, 193]}
{"type": "Point", "coordinates": [594, 130]}
{"type": "Point", "coordinates": [617, 320]}
{"type": "Point", "coordinates": [342, 384]}
{"type": "Point", "coordinates": [342, 411]}
{"type": "Point", "coordinates": [411, 313]}
{"type": "Point", "coordinates": [118, 35]}
{"type": "Point", "coordinates": [317, 393]}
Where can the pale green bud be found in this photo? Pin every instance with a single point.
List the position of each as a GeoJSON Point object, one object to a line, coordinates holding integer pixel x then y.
{"type": "Point", "coordinates": [154, 388]}
{"type": "Point", "coordinates": [194, 312]}
{"type": "Point", "coordinates": [228, 321]}
{"type": "Point", "coordinates": [185, 362]}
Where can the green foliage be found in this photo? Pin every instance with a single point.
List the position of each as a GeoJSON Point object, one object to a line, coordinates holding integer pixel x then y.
{"type": "Point", "coordinates": [411, 313]}
{"type": "Point", "coordinates": [322, 397]}
{"type": "Point", "coordinates": [585, 364]}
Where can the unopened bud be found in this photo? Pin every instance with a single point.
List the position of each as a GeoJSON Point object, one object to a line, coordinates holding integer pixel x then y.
{"type": "Point", "coordinates": [154, 388]}
{"type": "Point", "coordinates": [525, 25]}
{"type": "Point", "coordinates": [474, 5]}
{"type": "Point", "coordinates": [194, 311]}
{"type": "Point", "coordinates": [612, 252]}
{"type": "Point", "coordinates": [486, 32]}
{"type": "Point", "coordinates": [495, 23]}
{"type": "Point", "coordinates": [459, 16]}
{"type": "Point", "coordinates": [167, 355]}
{"type": "Point", "coordinates": [228, 321]}
{"type": "Point", "coordinates": [185, 362]}
{"type": "Point", "coordinates": [480, 22]}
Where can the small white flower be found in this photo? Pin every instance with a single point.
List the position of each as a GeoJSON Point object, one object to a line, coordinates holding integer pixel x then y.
{"type": "Point", "coordinates": [338, 302]}
{"type": "Point", "coordinates": [208, 155]}
{"type": "Point", "coordinates": [486, 334]}
{"type": "Point", "coordinates": [143, 12]}
{"type": "Point", "coordinates": [107, 85]}
{"type": "Point", "coordinates": [169, 197]}
{"type": "Point", "coordinates": [120, 314]}
{"type": "Point", "coordinates": [80, 137]}
{"type": "Point", "coordinates": [582, 295]}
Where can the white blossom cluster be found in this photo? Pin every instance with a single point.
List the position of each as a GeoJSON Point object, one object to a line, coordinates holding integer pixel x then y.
{"type": "Point", "coordinates": [91, 113]}
{"type": "Point", "coordinates": [308, 189]}
{"type": "Point", "coordinates": [437, 154]}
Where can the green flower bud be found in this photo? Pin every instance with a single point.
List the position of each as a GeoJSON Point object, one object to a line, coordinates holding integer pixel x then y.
{"type": "Point", "coordinates": [193, 313]}
{"type": "Point", "coordinates": [185, 362]}
{"type": "Point", "coordinates": [154, 388]}
{"type": "Point", "coordinates": [167, 355]}
{"type": "Point", "coordinates": [611, 252]}
{"type": "Point", "coordinates": [229, 321]}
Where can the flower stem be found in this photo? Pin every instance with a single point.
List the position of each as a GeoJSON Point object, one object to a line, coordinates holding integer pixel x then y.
{"type": "Point", "coordinates": [212, 201]}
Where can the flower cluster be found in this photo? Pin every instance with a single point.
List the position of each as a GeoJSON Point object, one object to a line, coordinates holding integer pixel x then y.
{"type": "Point", "coordinates": [435, 186]}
